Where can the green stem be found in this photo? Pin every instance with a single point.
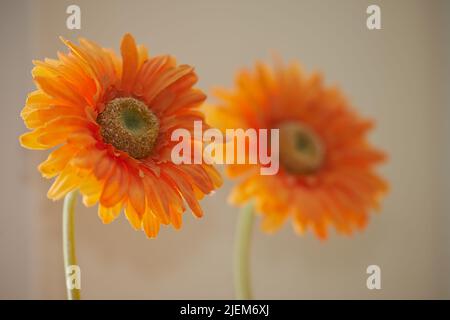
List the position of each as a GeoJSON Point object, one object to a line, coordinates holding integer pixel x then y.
{"type": "Point", "coordinates": [70, 258]}
{"type": "Point", "coordinates": [242, 254]}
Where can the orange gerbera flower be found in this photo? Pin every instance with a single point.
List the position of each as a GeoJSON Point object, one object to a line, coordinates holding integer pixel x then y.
{"type": "Point", "coordinates": [110, 120]}
{"type": "Point", "coordinates": [326, 171]}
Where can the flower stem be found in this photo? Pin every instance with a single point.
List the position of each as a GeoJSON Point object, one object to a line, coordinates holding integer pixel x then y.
{"type": "Point", "coordinates": [242, 254]}
{"type": "Point", "coordinates": [70, 258]}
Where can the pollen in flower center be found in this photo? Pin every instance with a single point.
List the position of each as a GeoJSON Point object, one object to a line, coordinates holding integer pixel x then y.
{"type": "Point", "coordinates": [130, 126]}
{"type": "Point", "coordinates": [301, 151]}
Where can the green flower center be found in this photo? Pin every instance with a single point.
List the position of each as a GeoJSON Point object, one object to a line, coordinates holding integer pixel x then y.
{"type": "Point", "coordinates": [130, 126]}
{"type": "Point", "coordinates": [301, 151]}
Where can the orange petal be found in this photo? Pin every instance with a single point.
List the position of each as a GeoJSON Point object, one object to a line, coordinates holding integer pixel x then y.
{"type": "Point", "coordinates": [197, 176]}
{"type": "Point", "coordinates": [136, 193]}
{"type": "Point", "coordinates": [88, 158]}
{"type": "Point", "coordinates": [91, 189]}
{"type": "Point", "coordinates": [150, 224]}
{"type": "Point", "coordinates": [108, 215]}
{"type": "Point", "coordinates": [115, 186]}
{"type": "Point", "coordinates": [166, 79]}
{"type": "Point", "coordinates": [180, 183]}
{"type": "Point", "coordinates": [175, 218]}
{"type": "Point", "coordinates": [55, 132]}
{"type": "Point", "coordinates": [156, 199]}
{"type": "Point", "coordinates": [133, 217]}
{"type": "Point", "coordinates": [103, 167]}
{"type": "Point", "coordinates": [130, 62]}
{"type": "Point", "coordinates": [56, 161]}
{"type": "Point", "coordinates": [68, 180]}
{"type": "Point", "coordinates": [58, 88]}
{"type": "Point", "coordinates": [272, 222]}
{"type": "Point", "coordinates": [38, 117]}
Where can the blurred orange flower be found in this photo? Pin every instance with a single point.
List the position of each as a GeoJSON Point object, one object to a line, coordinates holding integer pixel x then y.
{"type": "Point", "coordinates": [326, 174]}
{"type": "Point", "coordinates": [110, 120]}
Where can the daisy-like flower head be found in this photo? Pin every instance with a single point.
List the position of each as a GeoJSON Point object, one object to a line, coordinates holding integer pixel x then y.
{"type": "Point", "coordinates": [326, 174]}
{"type": "Point", "coordinates": [109, 121]}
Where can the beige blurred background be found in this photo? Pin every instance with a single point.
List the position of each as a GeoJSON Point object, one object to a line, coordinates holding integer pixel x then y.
{"type": "Point", "coordinates": [398, 75]}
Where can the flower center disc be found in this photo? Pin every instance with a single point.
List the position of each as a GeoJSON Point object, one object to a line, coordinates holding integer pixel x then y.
{"type": "Point", "coordinates": [130, 126]}
{"type": "Point", "coordinates": [301, 151]}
